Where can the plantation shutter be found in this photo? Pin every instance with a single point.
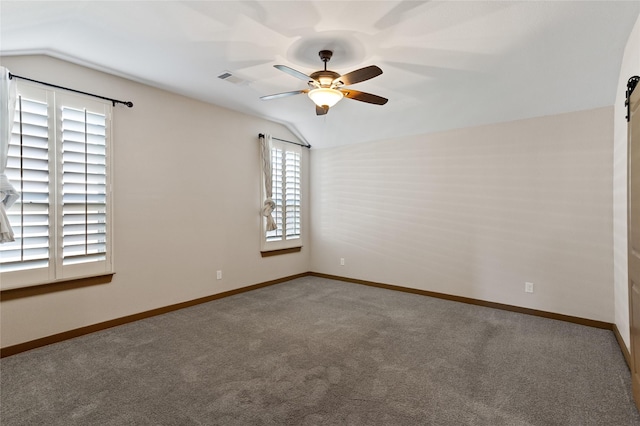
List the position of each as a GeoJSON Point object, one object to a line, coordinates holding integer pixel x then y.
{"type": "Point", "coordinates": [292, 194]}
{"type": "Point", "coordinates": [276, 193]}
{"type": "Point", "coordinates": [58, 159]}
{"type": "Point", "coordinates": [84, 185]}
{"type": "Point", "coordinates": [28, 170]}
{"type": "Point", "coordinates": [286, 183]}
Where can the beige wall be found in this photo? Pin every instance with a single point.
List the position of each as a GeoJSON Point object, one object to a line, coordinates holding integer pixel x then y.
{"type": "Point", "coordinates": [187, 197]}
{"type": "Point", "coordinates": [472, 212]}
{"type": "Point", "coordinates": [476, 212]}
{"type": "Point", "coordinates": [630, 66]}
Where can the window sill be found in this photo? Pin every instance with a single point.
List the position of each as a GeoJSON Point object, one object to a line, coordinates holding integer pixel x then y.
{"type": "Point", "coordinates": [52, 287]}
{"type": "Point", "coordinates": [280, 251]}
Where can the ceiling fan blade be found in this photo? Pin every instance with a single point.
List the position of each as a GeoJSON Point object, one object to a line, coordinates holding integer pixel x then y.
{"type": "Point", "coordinates": [282, 95]}
{"type": "Point", "coordinates": [357, 76]}
{"type": "Point", "coordinates": [294, 73]}
{"type": "Point", "coordinates": [321, 110]}
{"type": "Point", "coordinates": [364, 97]}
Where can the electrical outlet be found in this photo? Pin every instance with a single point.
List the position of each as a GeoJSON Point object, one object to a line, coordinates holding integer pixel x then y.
{"type": "Point", "coordinates": [219, 275]}
{"type": "Point", "coordinates": [528, 287]}
{"type": "Point", "coordinates": [342, 261]}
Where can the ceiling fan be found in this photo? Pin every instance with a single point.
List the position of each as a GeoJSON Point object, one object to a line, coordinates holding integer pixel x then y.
{"type": "Point", "coordinates": [327, 87]}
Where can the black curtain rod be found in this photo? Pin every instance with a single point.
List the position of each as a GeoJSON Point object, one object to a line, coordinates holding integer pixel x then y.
{"type": "Point", "coordinates": [306, 145]}
{"type": "Point", "coordinates": [114, 101]}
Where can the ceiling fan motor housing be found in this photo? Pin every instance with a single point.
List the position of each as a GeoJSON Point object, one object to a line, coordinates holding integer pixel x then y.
{"type": "Point", "coordinates": [325, 78]}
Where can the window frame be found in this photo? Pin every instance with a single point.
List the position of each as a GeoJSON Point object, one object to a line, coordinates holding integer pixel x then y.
{"type": "Point", "coordinates": [285, 244]}
{"type": "Point", "coordinates": [55, 271]}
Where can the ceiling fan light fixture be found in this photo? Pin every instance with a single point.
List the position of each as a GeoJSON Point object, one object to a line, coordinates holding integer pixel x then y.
{"type": "Point", "coordinates": [325, 96]}
{"type": "Point", "coordinates": [324, 85]}
{"type": "Point", "coordinates": [325, 81]}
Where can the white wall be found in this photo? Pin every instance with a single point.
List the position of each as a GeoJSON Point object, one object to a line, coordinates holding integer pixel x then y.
{"type": "Point", "coordinates": [186, 203]}
{"type": "Point", "coordinates": [630, 67]}
{"type": "Point", "coordinates": [476, 212]}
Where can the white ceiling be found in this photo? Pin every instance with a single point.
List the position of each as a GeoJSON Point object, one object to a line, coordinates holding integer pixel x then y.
{"type": "Point", "coordinates": [447, 64]}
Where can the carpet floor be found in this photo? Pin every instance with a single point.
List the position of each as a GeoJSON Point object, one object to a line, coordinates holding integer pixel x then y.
{"type": "Point", "coordinates": [313, 351]}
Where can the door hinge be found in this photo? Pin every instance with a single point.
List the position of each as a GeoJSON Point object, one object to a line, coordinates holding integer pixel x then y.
{"type": "Point", "coordinates": [631, 84]}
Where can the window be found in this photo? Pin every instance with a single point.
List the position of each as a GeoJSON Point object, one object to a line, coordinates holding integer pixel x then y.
{"type": "Point", "coordinates": [59, 162]}
{"type": "Point", "coordinates": [286, 172]}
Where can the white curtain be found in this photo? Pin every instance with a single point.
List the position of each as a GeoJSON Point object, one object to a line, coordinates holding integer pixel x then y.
{"type": "Point", "coordinates": [8, 194]}
{"type": "Point", "coordinates": [269, 204]}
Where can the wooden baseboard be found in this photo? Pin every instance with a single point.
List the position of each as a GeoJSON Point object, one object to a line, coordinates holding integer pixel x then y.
{"type": "Point", "coordinates": [504, 307]}
{"type": "Point", "coordinates": [511, 308]}
{"type": "Point", "coordinates": [622, 344]}
{"type": "Point", "coordinates": [59, 337]}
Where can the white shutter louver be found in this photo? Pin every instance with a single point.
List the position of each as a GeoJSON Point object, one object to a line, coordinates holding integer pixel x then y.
{"type": "Point", "coordinates": [28, 170]}
{"type": "Point", "coordinates": [84, 186]}
{"type": "Point", "coordinates": [277, 195]}
{"type": "Point", "coordinates": [286, 169]}
{"type": "Point", "coordinates": [292, 194]}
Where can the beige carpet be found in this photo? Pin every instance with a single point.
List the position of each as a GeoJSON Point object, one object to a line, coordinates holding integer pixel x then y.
{"type": "Point", "coordinates": [319, 352]}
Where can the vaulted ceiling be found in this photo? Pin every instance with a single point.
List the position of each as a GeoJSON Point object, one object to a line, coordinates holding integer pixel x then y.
{"type": "Point", "coordinates": [446, 64]}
